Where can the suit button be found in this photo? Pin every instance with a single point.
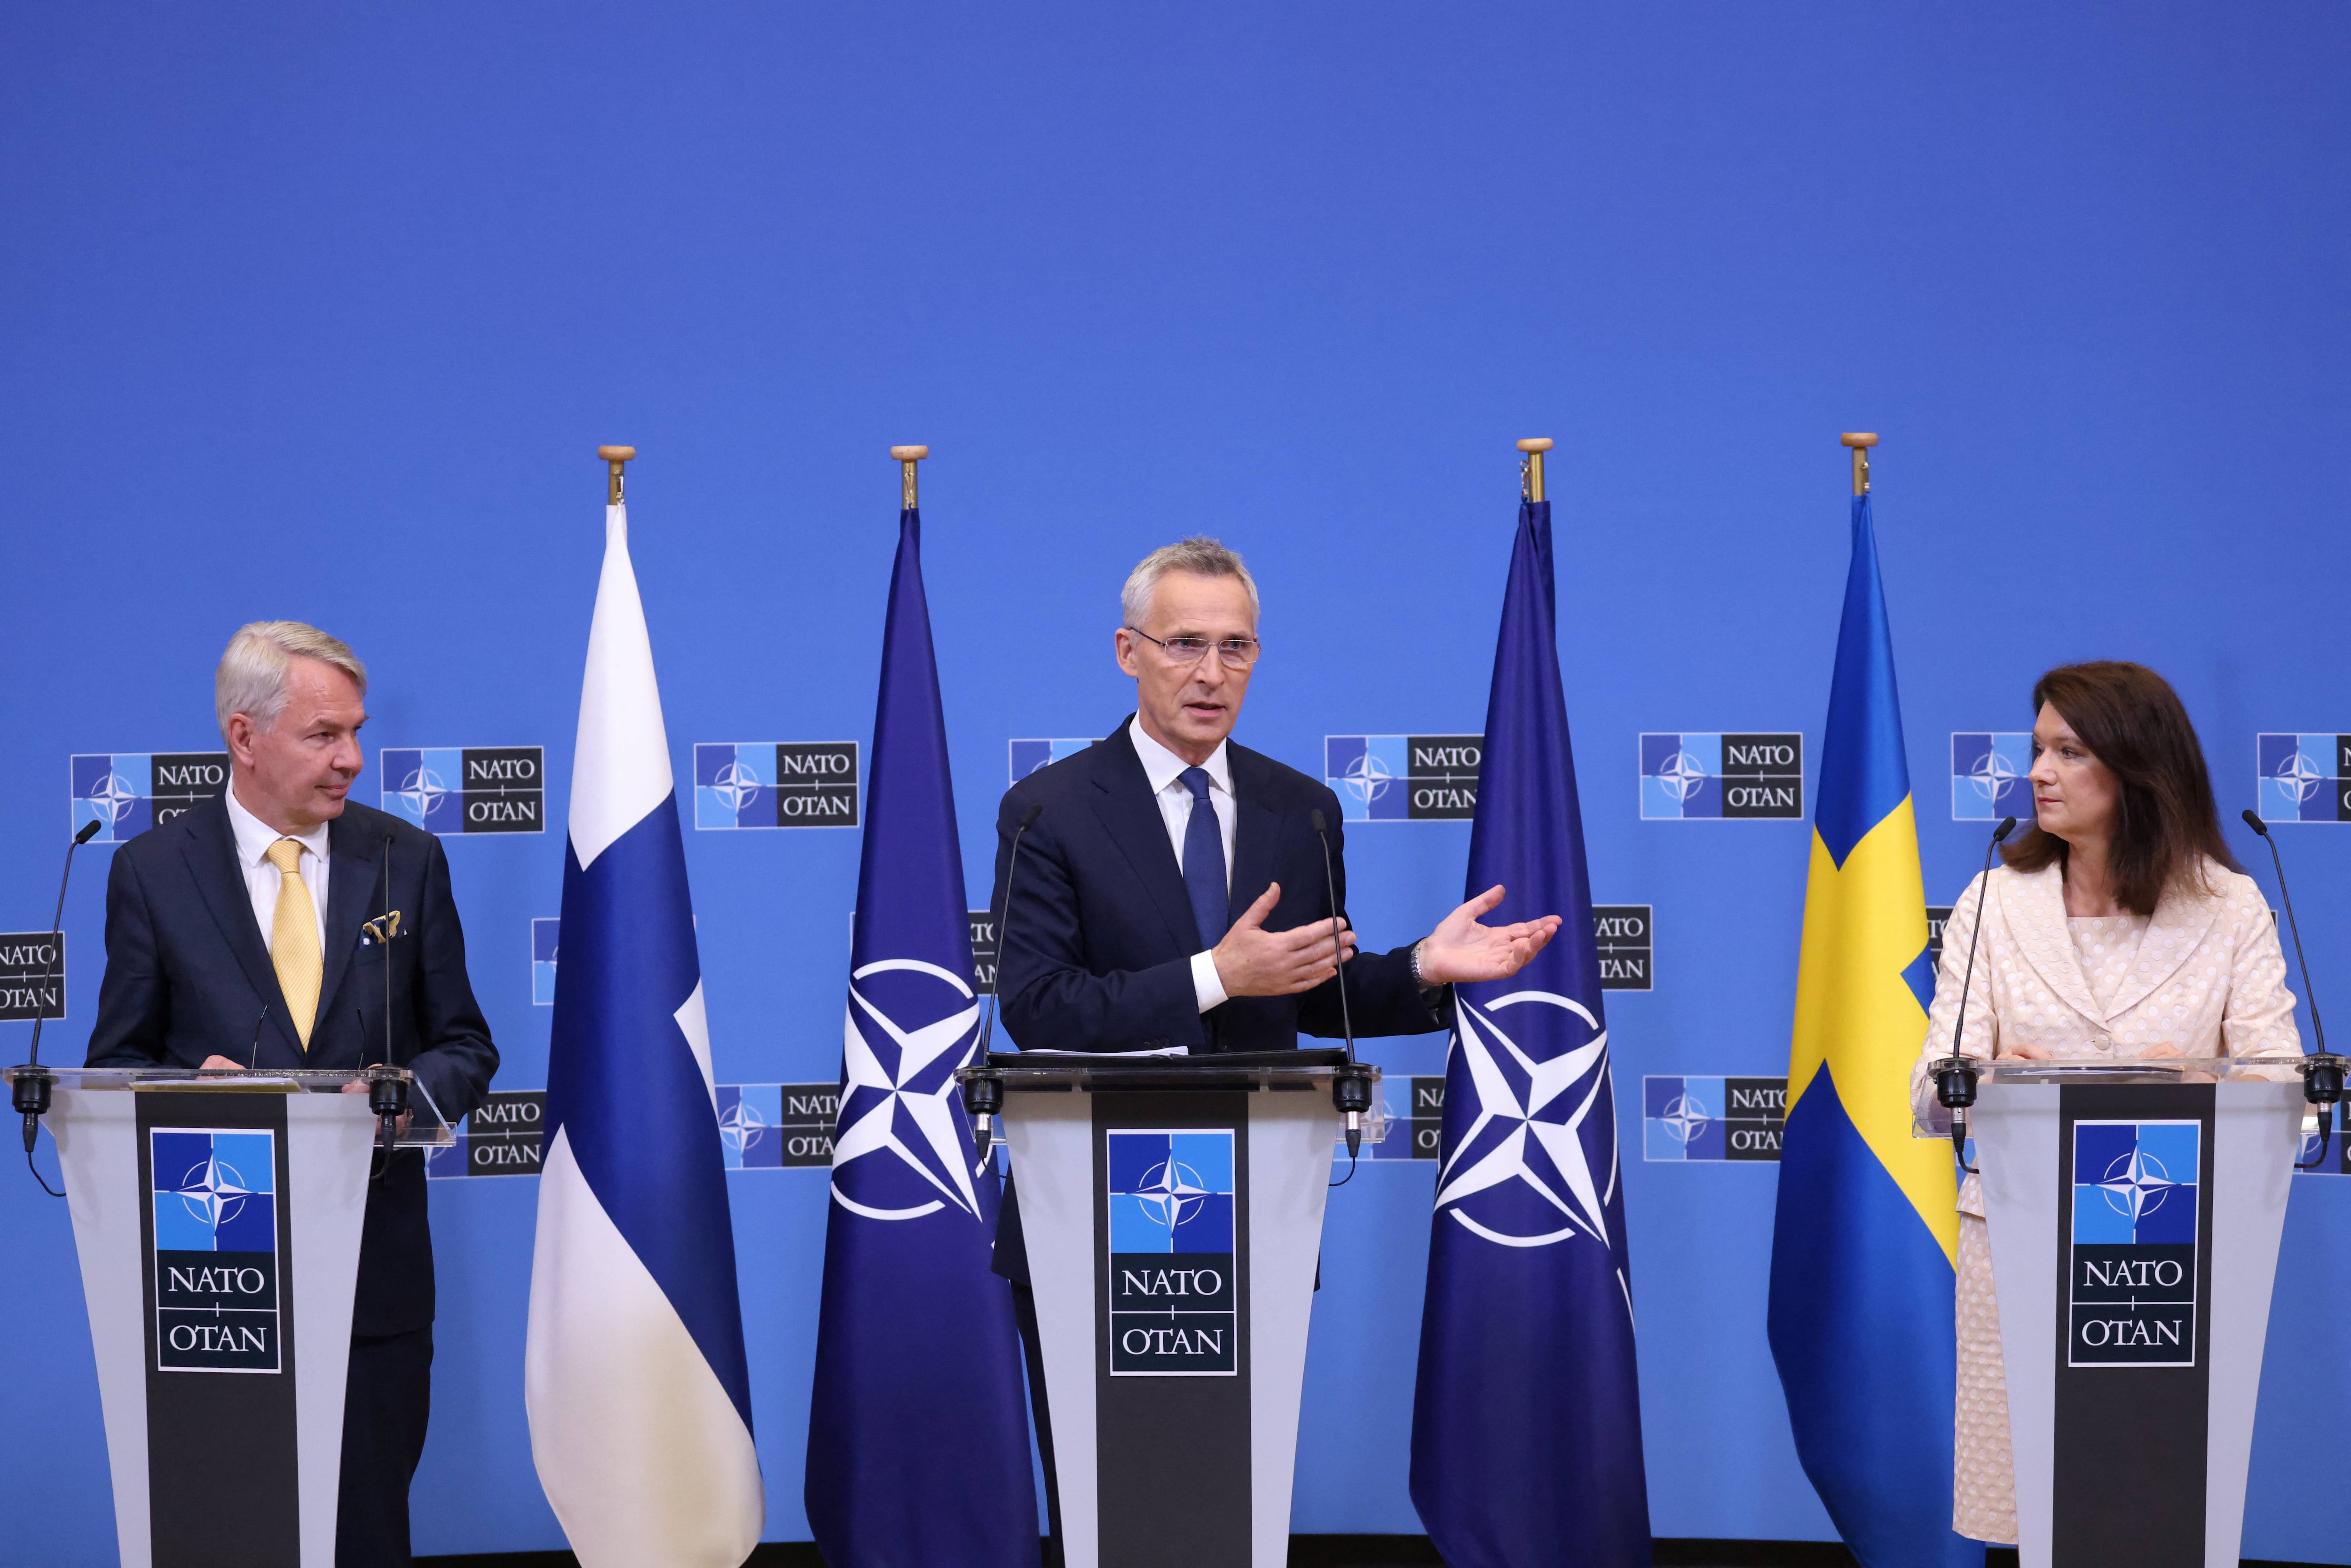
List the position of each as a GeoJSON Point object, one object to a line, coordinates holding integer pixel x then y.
{"type": "Point", "coordinates": [2100, 1042]}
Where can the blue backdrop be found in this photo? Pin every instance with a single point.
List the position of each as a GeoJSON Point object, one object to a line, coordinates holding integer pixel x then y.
{"type": "Point", "coordinates": [319, 313]}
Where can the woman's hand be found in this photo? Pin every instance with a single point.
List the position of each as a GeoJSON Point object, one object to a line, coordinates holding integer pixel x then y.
{"type": "Point", "coordinates": [2030, 1052]}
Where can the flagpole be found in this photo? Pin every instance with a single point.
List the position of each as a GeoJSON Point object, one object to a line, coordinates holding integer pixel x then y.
{"type": "Point", "coordinates": [907, 457]}
{"type": "Point", "coordinates": [617, 457]}
{"type": "Point", "coordinates": [1530, 467]}
{"type": "Point", "coordinates": [1861, 441]}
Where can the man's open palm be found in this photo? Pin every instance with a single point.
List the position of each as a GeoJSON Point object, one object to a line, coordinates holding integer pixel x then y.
{"type": "Point", "coordinates": [1461, 949]}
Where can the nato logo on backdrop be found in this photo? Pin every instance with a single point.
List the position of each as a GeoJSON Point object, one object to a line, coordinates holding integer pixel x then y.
{"type": "Point", "coordinates": [2132, 1265]}
{"type": "Point", "coordinates": [543, 936]}
{"type": "Point", "coordinates": [214, 1193]}
{"type": "Point", "coordinates": [1686, 776]}
{"type": "Point", "coordinates": [466, 789]}
{"type": "Point", "coordinates": [1624, 936]}
{"type": "Point", "coordinates": [1686, 1118]}
{"type": "Point", "coordinates": [2305, 777]}
{"type": "Point", "coordinates": [1990, 776]}
{"type": "Point", "coordinates": [1029, 755]}
{"type": "Point", "coordinates": [129, 792]}
{"type": "Point", "coordinates": [776, 1126]}
{"type": "Point", "coordinates": [1404, 778]}
{"type": "Point", "coordinates": [1172, 1306]}
{"type": "Point", "coordinates": [502, 1137]}
{"type": "Point", "coordinates": [776, 784]}
{"type": "Point", "coordinates": [32, 975]}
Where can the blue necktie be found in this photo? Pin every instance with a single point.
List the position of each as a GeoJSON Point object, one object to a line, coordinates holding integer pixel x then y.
{"type": "Point", "coordinates": [1204, 862]}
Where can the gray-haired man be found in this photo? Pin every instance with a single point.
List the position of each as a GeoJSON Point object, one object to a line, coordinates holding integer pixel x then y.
{"type": "Point", "coordinates": [239, 920]}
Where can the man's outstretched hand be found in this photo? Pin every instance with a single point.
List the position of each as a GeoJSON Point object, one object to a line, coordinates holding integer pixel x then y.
{"type": "Point", "coordinates": [1254, 962]}
{"type": "Point", "coordinates": [1461, 949]}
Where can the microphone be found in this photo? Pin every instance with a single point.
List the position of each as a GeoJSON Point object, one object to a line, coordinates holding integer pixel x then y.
{"type": "Point", "coordinates": [387, 1096]}
{"type": "Point", "coordinates": [1955, 1075]}
{"type": "Point", "coordinates": [2322, 1074]}
{"type": "Point", "coordinates": [1351, 1091]}
{"type": "Point", "coordinates": [252, 1057]}
{"type": "Point", "coordinates": [33, 1083]}
{"type": "Point", "coordinates": [983, 1097]}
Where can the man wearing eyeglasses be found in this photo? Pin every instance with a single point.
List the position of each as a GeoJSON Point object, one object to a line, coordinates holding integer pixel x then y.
{"type": "Point", "coordinates": [1171, 894]}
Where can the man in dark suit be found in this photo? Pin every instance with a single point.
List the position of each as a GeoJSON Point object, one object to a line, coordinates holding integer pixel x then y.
{"type": "Point", "coordinates": [239, 921]}
{"type": "Point", "coordinates": [1121, 933]}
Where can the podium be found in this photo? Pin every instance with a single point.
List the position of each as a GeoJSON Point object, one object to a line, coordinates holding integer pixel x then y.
{"type": "Point", "coordinates": [2135, 1213]}
{"type": "Point", "coordinates": [217, 1218]}
{"type": "Point", "coordinates": [1172, 1208]}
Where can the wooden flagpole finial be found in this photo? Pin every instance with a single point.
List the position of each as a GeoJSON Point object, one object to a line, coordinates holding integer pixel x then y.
{"type": "Point", "coordinates": [616, 457]}
{"type": "Point", "coordinates": [1861, 441]}
{"type": "Point", "coordinates": [907, 457]}
{"type": "Point", "coordinates": [1531, 465]}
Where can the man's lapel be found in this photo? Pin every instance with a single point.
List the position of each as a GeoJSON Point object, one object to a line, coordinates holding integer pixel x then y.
{"type": "Point", "coordinates": [356, 856]}
{"type": "Point", "coordinates": [1257, 827]}
{"type": "Point", "coordinates": [208, 845]}
{"type": "Point", "coordinates": [1132, 819]}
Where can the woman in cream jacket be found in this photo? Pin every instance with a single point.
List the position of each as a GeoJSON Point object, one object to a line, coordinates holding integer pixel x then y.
{"type": "Point", "coordinates": [2120, 926]}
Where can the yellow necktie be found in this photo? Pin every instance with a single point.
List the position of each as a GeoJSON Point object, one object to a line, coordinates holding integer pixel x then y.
{"type": "Point", "coordinates": [293, 938]}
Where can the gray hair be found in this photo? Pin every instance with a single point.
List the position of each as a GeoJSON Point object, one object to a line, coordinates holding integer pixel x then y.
{"type": "Point", "coordinates": [1199, 555]}
{"type": "Point", "coordinates": [252, 676]}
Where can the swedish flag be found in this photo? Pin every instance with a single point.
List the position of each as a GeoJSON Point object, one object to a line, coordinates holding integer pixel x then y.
{"type": "Point", "coordinates": [1864, 1243]}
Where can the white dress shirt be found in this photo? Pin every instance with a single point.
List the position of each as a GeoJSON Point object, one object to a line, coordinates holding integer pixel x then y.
{"type": "Point", "coordinates": [253, 838]}
{"type": "Point", "coordinates": [1164, 769]}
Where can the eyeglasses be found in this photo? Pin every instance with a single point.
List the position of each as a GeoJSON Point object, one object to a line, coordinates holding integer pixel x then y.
{"type": "Point", "coordinates": [1238, 653]}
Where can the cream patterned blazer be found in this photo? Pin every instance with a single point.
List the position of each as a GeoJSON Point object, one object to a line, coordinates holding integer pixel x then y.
{"type": "Point", "coordinates": [2209, 979]}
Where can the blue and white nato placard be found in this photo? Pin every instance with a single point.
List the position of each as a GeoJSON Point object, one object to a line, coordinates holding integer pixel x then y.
{"type": "Point", "coordinates": [2305, 777]}
{"type": "Point", "coordinates": [2132, 1278]}
{"type": "Point", "coordinates": [1404, 778]}
{"type": "Point", "coordinates": [1029, 755]}
{"type": "Point", "coordinates": [465, 789]}
{"type": "Point", "coordinates": [1688, 777]}
{"type": "Point", "coordinates": [1685, 1118]}
{"type": "Point", "coordinates": [1990, 776]}
{"type": "Point", "coordinates": [776, 784]}
{"type": "Point", "coordinates": [215, 1253]}
{"type": "Point", "coordinates": [128, 792]}
{"type": "Point", "coordinates": [1173, 1307]}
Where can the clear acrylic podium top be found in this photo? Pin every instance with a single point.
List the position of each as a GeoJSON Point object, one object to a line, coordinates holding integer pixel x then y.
{"type": "Point", "coordinates": [1257, 1072]}
{"type": "Point", "coordinates": [426, 1129]}
{"type": "Point", "coordinates": [1931, 1120]}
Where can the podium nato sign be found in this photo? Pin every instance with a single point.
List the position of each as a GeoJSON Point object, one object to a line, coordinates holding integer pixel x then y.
{"type": "Point", "coordinates": [214, 1250]}
{"type": "Point", "coordinates": [1173, 1304]}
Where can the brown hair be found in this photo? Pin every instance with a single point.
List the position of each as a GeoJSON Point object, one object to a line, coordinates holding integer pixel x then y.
{"type": "Point", "coordinates": [2166, 824]}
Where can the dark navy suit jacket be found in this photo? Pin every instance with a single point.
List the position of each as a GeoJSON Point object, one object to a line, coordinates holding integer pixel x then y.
{"type": "Point", "coordinates": [1097, 937]}
{"type": "Point", "coordinates": [188, 976]}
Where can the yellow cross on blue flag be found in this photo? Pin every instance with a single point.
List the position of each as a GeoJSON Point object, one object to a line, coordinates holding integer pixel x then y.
{"type": "Point", "coordinates": [1865, 1240]}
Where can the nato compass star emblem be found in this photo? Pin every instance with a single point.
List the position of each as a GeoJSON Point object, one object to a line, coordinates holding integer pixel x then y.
{"type": "Point", "coordinates": [2299, 776]}
{"type": "Point", "coordinates": [214, 1192]}
{"type": "Point", "coordinates": [740, 1125]}
{"type": "Point", "coordinates": [1170, 1194]}
{"type": "Point", "coordinates": [115, 796]}
{"type": "Point", "coordinates": [422, 790]}
{"type": "Point", "coordinates": [1682, 774]}
{"type": "Point", "coordinates": [1523, 1173]}
{"type": "Point", "coordinates": [1685, 1118]}
{"type": "Point", "coordinates": [2136, 1185]}
{"type": "Point", "coordinates": [1367, 777]}
{"type": "Point", "coordinates": [901, 1149]}
{"type": "Point", "coordinates": [1990, 774]}
{"type": "Point", "coordinates": [737, 782]}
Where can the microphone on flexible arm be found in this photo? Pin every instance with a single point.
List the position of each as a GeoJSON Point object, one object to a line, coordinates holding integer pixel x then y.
{"type": "Point", "coordinates": [253, 1056]}
{"type": "Point", "coordinates": [2322, 1073]}
{"type": "Point", "coordinates": [387, 1094]}
{"type": "Point", "coordinates": [983, 1096]}
{"type": "Point", "coordinates": [1955, 1075]}
{"type": "Point", "coordinates": [1351, 1091]}
{"type": "Point", "coordinates": [33, 1082]}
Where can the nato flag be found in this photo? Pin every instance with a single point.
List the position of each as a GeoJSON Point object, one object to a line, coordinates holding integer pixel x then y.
{"type": "Point", "coordinates": [918, 1433]}
{"type": "Point", "coordinates": [1526, 1427]}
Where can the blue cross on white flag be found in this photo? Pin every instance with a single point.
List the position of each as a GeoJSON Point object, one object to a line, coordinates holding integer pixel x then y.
{"type": "Point", "coordinates": [1526, 1430]}
{"type": "Point", "coordinates": [635, 1376]}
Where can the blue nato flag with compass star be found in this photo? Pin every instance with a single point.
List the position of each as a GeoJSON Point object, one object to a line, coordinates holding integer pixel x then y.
{"type": "Point", "coordinates": [918, 1429]}
{"type": "Point", "coordinates": [1526, 1430]}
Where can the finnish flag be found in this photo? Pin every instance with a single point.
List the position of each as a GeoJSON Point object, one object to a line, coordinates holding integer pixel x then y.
{"type": "Point", "coordinates": [638, 1399]}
